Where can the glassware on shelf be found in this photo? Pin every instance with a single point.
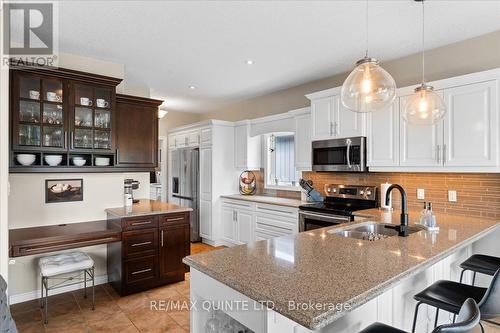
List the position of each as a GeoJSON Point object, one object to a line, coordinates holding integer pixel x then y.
{"type": "Point", "coordinates": [102, 140]}
{"type": "Point", "coordinates": [102, 119]}
{"type": "Point", "coordinates": [29, 135]}
{"type": "Point", "coordinates": [29, 111]}
{"type": "Point", "coordinates": [53, 137]}
{"type": "Point", "coordinates": [83, 138]}
{"type": "Point", "coordinates": [83, 117]}
{"type": "Point", "coordinates": [52, 114]}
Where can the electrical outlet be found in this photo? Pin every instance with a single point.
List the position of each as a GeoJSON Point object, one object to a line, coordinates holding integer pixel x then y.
{"type": "Point", "coordinates": [420, 194]}
{"type": "Point", "coordinates": [452, 196]}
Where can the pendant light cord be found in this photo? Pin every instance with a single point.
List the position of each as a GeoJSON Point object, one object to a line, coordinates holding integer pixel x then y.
{"type": "Point", "coordinates": [366, 30]}
{"type": "Point", "coordinates": [423, 42]}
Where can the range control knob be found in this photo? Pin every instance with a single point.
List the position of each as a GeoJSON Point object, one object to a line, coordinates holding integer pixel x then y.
{"type": "Point", "coordinates": [328, 190]}
{"type": "Point", "coordinates": [334, 190]}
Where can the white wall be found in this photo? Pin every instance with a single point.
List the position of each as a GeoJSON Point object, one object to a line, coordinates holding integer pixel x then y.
{"type": "Point", "coordinates": [27, 207]}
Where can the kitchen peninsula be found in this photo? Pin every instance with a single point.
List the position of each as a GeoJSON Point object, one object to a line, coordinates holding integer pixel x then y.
{"type": "Point", "coordinates": [317, 280]}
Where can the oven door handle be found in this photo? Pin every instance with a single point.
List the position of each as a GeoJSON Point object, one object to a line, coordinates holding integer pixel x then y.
{"type": "Point", "coordinates": [349, 142]}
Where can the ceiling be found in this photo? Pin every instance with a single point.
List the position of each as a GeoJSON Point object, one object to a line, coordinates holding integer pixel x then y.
{"type": "Point", "coordinates": [171, 45]}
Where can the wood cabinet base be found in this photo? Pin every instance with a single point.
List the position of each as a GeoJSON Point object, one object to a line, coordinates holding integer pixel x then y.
{"type": "Point", "coordinates": [151, 255]}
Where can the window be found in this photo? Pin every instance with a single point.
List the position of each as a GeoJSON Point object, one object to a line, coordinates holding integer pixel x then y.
{"type": "Point", "coordinates": [280, 153]}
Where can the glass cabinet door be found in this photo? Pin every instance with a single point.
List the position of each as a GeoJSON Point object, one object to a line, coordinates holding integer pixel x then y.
{"type": "Point", "coordinates": [41, 117]}
{"type": "Point", "coordinates": [92, 118]}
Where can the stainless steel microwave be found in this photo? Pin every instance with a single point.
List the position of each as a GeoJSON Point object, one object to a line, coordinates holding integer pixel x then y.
{"type": "Point", "coordinates": [341, 155]}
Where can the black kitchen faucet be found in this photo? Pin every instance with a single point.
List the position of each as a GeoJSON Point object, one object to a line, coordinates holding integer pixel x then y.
{"type": "Point", "coordinates": [402, 229]}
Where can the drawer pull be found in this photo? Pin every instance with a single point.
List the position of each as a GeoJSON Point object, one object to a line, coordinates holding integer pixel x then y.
{"type": "Point", "coordinates": [142, 271]}
{"type": "Point", "coordinates": [141, 223]}
{"type": "Point", "coordinates": [162, 238]}
{"type": "Point", "coordinates": [141, 244]}
{"type": "Point", "coordinates": [176, 219]}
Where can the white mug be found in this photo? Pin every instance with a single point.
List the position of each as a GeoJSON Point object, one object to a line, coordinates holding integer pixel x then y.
{"type": "Point", "coordinates": [34, 94]}
{"type": "Point", "coordinates": [102, 103]}
{"type": "Point", "coordinates": [52, 97]}
{"type": "Point", "coordinates": [85, 101]}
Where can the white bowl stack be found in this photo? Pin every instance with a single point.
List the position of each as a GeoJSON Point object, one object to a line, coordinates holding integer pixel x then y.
{"type": "Point", "coordinates": [53, 160]}
{"type": "Point", "coordinates": [79, 161]}
{"type": "Point", "coordinates": [26, 159]}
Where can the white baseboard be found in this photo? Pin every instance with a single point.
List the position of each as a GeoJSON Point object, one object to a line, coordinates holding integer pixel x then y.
{"type": "Point", "coordinates": [35, 294]}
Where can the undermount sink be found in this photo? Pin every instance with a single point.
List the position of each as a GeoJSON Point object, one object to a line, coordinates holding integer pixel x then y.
{"type": "Point", "coordinates": [371, 231]}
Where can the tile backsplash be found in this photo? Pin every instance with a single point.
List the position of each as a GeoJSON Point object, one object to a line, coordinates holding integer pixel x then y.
{"type": "Point", "coordinates": [478, 194]}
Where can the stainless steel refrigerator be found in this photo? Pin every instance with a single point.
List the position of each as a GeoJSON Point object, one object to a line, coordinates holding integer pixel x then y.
{"type": "Point", "coordinates": [185, 175]}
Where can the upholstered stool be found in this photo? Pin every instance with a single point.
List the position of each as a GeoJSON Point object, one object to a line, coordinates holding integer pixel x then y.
{"type": "Point", "coordinates": [480, 263]}
{"type": "Point", "coordinates": [467, 322]}
{"type": "Point", "coordinates": [449, 296]}
{"type": "Point", "coordinates": [66, 263]}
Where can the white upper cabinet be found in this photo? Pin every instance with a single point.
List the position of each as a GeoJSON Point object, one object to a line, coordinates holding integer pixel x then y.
{"type": "Point", "coordinates": [247, 155]}
{"type": "Point", "coordinates": [347, 123]}
{"type": "Point", "coordinates": [420, 145]}
{"type": "Point", "coordinates": [330, 119]}
{"type": "Point", "coordinates": [322, 115]}
{"type": "Point", "coordinates": [470, 126]}
{"type": "Point", "coordinates": [383, 136]}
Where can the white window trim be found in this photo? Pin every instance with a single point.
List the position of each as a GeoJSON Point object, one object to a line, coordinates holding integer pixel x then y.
{"type": "Point", "coordinates": [268, 186]}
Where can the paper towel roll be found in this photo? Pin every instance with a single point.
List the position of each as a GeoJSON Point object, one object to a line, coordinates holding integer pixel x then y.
{"type": "Point", "coordinates": [383, 191]}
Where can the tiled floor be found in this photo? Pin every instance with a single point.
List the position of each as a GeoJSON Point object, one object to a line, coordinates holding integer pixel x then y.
{"type": "Point", "coordinates": [71, 313]}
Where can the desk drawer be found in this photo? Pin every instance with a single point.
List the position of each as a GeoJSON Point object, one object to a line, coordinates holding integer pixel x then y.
{"type": "Point", "coordinates": [141, 269]}
{"type": "Point", "coordinates": [140, 242]}
{"type": "Point", "coordinates": [140, 223]}
{"type": "Point", "coordinates": [171, 219]}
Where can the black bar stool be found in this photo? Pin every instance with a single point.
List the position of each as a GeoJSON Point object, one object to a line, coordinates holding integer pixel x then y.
{"type": "Point", "coordinates": [468, 320]}
{"type": "Point", "coordinates": [449, 296]}
{"type": "Point", "coordinates": [480, 263]}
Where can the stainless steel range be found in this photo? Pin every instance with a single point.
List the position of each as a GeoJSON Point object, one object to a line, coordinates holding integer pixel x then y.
{"type": "Point", "coordinates": [340, 203]}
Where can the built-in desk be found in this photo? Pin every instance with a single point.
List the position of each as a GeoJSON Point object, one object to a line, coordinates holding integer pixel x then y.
{"type": "Point", "coordinates": [43, 239]}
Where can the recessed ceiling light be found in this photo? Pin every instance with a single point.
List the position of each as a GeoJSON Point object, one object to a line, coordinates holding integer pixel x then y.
{"type": "Point", "coordinates": [192, 87]}
{"type": "Point", "coordinates": [249, 62]}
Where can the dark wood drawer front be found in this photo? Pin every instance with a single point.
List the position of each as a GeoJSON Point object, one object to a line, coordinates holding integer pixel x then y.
{"type": "Point", "coordinates": [140, 269]}
{"type": "Point", "coordinates": [174, 219]}
{"type": "Point", "coordinates": [140, 223]}
{"type": "Point", "coordinates": [140, 242]}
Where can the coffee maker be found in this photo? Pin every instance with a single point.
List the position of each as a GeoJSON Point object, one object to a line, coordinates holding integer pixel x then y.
{"type": "Point", "coordinates": [134, 184]}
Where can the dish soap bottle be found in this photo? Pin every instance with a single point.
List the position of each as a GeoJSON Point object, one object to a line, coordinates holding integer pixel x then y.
{"type": "Point", "coordinates": [423, 215]}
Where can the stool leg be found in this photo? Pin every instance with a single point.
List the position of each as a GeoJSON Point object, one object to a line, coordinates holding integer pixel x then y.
{"type": "Point", "coordinates": [85, 283]}
{"type": "Point", "coordinates": [474, 278]}
{"type": "Point", "coordinates": [437, 316]}
{"type": "Point", "coordinates": [46, 300]}
{"type": "Point", "coordinates": [41, 290]}
{"type": "Point", "coordinates": [481, 325]}
{"type": "Point", "coordinates": [415, 317]}
{"type": "Point", "coordinates": [454, 318]}
{"type": "Point", "coordinates": [462, 275]}
{"type": "Point", "coordinates": [93, 288]}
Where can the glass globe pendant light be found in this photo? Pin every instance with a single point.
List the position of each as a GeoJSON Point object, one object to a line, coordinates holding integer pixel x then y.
{"type": "Point", "coordinates": [368, 87]}
{"type": "Point", "coordinates": [424, 107]}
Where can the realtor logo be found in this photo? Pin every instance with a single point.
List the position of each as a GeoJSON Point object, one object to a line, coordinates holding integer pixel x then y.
{"type": "Point", "coordinates": [29, 32]}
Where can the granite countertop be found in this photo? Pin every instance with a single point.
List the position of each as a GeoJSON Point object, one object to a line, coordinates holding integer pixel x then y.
{"type": "Point", "coordinates": [147, 207]}
{"type": "Point", "coordinates": [316, 266]}
{"type": "Point", "coordinates": [267, 199]}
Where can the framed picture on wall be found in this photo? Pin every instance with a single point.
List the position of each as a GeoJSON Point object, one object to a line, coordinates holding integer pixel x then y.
{"type": "Point", "coordinates": [63, 190]}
